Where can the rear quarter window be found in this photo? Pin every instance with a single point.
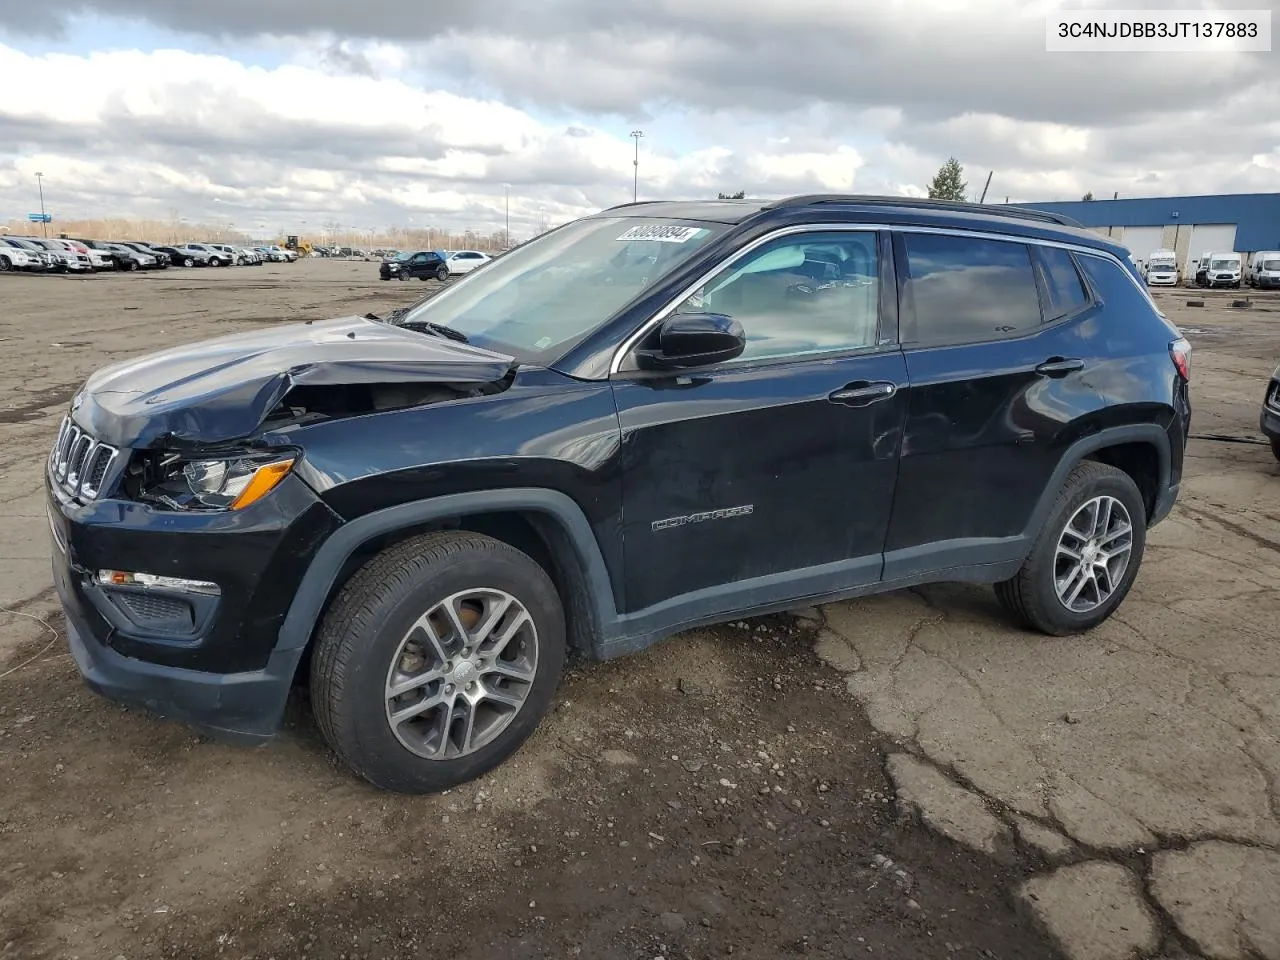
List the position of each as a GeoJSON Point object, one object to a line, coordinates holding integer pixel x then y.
{"type": "Point", "coordinates": [1066, 291]}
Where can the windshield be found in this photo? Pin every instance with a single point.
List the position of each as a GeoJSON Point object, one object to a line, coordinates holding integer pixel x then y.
{"type": "Point", "coordinates": [406, 255]}
{"type": "Point", "coordinates": [1224, 264]}
{"type": "Point", "coordinates": [1271, 265]}
{"type": "Point", "coordinates": [538, 299]}
{"type": "Point", "coordinates": [1162, 267]}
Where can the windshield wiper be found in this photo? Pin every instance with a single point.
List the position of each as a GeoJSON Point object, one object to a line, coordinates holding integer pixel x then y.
{"type": "Point", "coordinates": [427, 326]}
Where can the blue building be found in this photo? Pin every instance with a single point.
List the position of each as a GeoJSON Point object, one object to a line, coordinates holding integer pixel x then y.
{"type": "Point", "coordinates": [1191, 226]}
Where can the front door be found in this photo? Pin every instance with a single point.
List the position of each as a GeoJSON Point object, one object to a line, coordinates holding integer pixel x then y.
{"type": "Point", "coordinates": [769, 477]}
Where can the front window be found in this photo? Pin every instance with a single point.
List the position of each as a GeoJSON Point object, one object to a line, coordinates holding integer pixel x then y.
{"type": "Point", "coordinates": [1224, 265]}
{"type": "Point", "coordinates": [1271, 266]}
{"type": "Point", "coordinates": [551, 292]}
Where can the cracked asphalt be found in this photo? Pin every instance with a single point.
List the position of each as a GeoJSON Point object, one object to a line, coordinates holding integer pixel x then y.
{"type": "Point", "coordinates": [1141, 762]}
{"type": "Point", "coordinates": [902, 776]}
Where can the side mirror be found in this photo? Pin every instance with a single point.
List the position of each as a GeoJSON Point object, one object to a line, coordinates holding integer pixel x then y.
{"type": "Point", "coordinates": [694, 340]}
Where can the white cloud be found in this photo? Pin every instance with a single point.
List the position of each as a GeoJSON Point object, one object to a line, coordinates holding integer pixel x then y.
{"type": "Point", "coordinates": [375, 116]}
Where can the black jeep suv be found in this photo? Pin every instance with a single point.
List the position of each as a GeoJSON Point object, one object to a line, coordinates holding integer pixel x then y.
{"type": "Point", "coordinates": [659, 416]}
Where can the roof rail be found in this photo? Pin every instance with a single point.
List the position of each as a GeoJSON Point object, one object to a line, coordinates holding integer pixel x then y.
{"type": "Point", "coordinates": [920, 203]}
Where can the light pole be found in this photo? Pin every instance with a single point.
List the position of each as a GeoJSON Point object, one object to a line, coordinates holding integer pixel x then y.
{"type": "Point", "coordinates": [44, 224]}
{"type": "Point", "coordinates": [635, 180]}
{"type": "Point", "coordinates": [506, 233]}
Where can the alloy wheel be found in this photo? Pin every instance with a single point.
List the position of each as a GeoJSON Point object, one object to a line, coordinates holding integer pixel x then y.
{"type": "Point", "coordinates": [461, 674]}
{"type": "Point", "coordinates": [1093, 554]}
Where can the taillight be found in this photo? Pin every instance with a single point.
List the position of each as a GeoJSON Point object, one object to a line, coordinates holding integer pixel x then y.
{"type": "Point", "coordinates": [1180, 354]}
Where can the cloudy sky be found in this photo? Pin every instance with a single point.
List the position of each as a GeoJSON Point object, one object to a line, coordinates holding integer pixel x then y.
{"type": "Point", "coordinates": [272, 113]}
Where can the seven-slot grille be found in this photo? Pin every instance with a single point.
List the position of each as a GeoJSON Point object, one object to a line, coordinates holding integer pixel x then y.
{"type": "Point", "coordinates": [79, 463]}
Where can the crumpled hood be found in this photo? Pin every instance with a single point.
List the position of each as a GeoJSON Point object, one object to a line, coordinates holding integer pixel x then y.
{"type": "Point", "coordinates": [222, 389]}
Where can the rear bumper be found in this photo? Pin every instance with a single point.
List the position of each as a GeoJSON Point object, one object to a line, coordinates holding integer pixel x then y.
{"type": "Point", "coordinates": [237, 707]}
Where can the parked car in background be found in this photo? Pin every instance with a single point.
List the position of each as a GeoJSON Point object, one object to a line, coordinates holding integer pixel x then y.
{"type": "Point", "coordinates": [464, 261]}
{"type": "Point", "coordinates": [15, 256]}
{"type": "Point", "coordinates": [216, 257]}
{"type": "Point", "coordinates": [131, 259]}
{"type": "Point", "coordinates": [183, 256]}
{"type": "Point", "coordinates": [1222, 269]}
{"type": "Point", "coordinates": [79, 249]}
{"type": "Point", "coordinates": [227, 251]}
{"type": "Point", "coordinates": [69, 261]}
{"type": "Point", "coordinates": [1198, 271]}
{"type": "Point", "coordinates": [1264, 271]}
{"type": "Point", "coordinates": [50, 261]}
{"type": "Point", "coordinates": [248, 256]}
{"type": "Point", "coordinates": [1269, 422]}
{"type": "Point", "coordinates": [161, 258]}
{"type": "Point", "coordinates": [100, 256]}
{"type": "Point", "coordinates": [423, 264]}
{"type": "Point", "coordinates": [1162, 269]}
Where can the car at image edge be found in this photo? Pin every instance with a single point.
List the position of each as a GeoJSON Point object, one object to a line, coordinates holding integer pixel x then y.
{"type": "Point", "coordinates": [661, 416]}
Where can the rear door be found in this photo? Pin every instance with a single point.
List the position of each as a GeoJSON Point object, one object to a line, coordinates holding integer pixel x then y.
{"type": "Point", "coordinates": [998, 353]}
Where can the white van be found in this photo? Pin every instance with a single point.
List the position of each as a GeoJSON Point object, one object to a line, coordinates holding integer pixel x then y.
{"type": "Point", "coordinates": [1222, 269]}
{"type": "Point", "coordinates": [1265, 269]}
{"type": "Point", "coordinates": [1162, 269]}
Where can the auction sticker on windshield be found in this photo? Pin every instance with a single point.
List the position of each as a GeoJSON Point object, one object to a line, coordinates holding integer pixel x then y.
{"type": "Point", "coordinates": [662, 233]}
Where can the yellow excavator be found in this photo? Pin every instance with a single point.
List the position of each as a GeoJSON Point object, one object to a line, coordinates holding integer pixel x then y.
{"type": "Point", "coordinates": [301, 247]}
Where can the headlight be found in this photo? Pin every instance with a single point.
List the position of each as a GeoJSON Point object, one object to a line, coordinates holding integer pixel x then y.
{"type": "Point", "coordinates": [223, 484]}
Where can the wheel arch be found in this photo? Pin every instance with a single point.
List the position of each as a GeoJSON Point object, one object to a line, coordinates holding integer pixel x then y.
{"type": "Point", "coordinates": [546, 524]}
{"type": "Point", "coordinates": [1141, 450]}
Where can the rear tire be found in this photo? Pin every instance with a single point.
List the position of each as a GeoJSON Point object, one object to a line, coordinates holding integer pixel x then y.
{"type": "Point", "coordinates": [5, 264]}
{"type": "Point", "coordinates": [1051, 576]}
{"type": "Point", "coordinates": [188, 262]}
{"type": "Point", "coordinates": [442, 273]}
{"type": "Point", "coordinates": [1275, 447]}
{"type": "Point", "coordinates": [374, 637]}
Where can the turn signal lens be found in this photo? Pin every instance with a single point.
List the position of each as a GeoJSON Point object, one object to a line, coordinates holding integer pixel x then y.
{"type": "Point", "coordinates": [264, 480]}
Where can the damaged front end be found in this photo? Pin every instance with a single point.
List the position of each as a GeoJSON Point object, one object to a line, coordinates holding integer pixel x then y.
{"type": "Point", "coordinates": [198, 427]}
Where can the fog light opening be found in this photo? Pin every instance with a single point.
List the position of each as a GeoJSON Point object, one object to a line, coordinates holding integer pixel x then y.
{"type": "Point", "coordinates": [124, 578]}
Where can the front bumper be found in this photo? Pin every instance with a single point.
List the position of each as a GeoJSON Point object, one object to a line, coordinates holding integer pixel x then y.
{"type": "Point", "coordinates": [237, 707]}
{"type": "Point", "coordinates": [1265, 281]}
{"type": "Point", "coordinates": [212, 661]}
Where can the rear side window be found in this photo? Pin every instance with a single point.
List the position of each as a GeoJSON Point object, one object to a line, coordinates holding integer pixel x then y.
{"type": "Point", "coordinates": [966, 290]}
{"type": "Point", "coordinates": [1066, 291]}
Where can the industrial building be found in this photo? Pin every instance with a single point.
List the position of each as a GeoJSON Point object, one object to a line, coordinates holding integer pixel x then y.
{"type": "Point", "coordinates": [1190, 226]}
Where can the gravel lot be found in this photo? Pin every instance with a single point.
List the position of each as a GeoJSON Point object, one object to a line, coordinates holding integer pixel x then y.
{"type": "Point", "coordinates": [905, 776]}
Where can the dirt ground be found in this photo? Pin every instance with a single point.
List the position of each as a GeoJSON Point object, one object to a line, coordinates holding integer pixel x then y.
{"type": "Point", "coordinates": [905, 776]}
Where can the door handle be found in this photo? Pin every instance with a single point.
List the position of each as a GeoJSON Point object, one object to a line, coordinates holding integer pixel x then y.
{"type": "Point", "coordinates": [862, 392]}
{"type": "Point", "coordinates": [1059, 366]}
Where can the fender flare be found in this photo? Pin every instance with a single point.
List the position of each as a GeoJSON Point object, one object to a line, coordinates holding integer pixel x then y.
{"type": "Point", "coordinates": [322, 574]}
{"type": "Point", "coordinates": [1107, 437]}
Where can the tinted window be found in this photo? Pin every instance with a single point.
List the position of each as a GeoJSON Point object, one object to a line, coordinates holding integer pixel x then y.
{"type": "Point", "coordinates": [963, 289]}
{"type": "Point", "coordinates": [1066, 291]}
{"type": "Point", "coordinates": [805, 294]}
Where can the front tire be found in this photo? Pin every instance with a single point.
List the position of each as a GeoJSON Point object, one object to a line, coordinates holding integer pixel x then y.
{"type": "Point", "coordinates": [1275, 447]}
{"type": "Point", "coordinates": [5, 264]}
{"type": "Point", "coordinates": [1086, 557]}
{"type": "Point", "coordinates": [437, 660]}
{"type": "Point", "coordinates": [442, 273]}
{"type": "Point", "coordinates": [215, 262]}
